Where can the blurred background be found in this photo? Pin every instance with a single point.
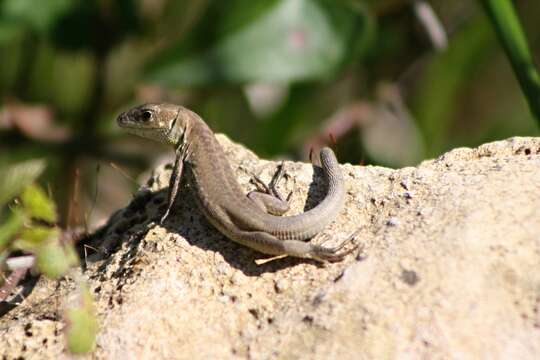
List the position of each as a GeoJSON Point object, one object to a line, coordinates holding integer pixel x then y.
{"type": "Point", "coordinates": [388, 82]}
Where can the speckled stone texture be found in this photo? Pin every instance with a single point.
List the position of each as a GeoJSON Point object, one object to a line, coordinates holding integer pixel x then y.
{"type": "Point", "coordinates": [449, 269]}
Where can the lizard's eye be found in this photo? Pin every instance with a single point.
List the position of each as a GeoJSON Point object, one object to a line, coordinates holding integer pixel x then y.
{"type": "Point", "coordinates": [146, 115]}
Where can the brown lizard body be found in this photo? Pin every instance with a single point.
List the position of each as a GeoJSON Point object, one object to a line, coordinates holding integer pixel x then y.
{"type": "Point", "coordinates": [251, 220]}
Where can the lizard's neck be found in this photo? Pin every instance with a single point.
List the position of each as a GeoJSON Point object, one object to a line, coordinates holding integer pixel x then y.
{"type": "Point", "coordinates": [202, 141]}
{"type": "Point", "coordinates": [183, 127]}
{"type": "Point", "coordinates": [192, 130]}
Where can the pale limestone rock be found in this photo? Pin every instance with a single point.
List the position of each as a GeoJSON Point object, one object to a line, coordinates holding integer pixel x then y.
{"type": "Point", "coordinates": [450, 268]}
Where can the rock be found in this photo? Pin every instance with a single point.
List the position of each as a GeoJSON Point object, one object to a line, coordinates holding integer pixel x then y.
{"type": "Point", "coordinates": [458, 276]}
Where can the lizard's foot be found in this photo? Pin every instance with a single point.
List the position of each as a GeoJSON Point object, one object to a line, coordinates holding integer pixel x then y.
{"type": "Point", "coordinates": [335, 254]}
{"type": "Point", "coordinates": [267, 197]}
{"type": "Point", "coordinates": [271, 188]}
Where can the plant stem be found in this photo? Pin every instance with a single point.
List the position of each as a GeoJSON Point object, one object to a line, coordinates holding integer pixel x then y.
{"type": "Point", "coordinates": [508, 28]}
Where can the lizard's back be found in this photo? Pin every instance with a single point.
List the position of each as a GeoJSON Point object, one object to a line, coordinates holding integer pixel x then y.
{"type": "Point", "coordinates": [224, 203]}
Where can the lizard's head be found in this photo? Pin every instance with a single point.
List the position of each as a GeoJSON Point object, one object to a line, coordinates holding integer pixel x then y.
{"type": "Point", "coordinates": [165, 123]}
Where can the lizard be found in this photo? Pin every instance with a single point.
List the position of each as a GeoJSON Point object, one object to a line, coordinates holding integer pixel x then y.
{"type": "Point", "coordinates": [252, 220]}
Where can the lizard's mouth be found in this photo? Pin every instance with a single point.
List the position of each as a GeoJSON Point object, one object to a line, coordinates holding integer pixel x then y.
{"type": "Point", "coordinates": [123, 121]}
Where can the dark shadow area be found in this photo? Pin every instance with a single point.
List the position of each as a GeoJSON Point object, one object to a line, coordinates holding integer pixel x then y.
{"type": "Point", "coordinates": [317, 188]}
{"type": "Point", "coordinates": [128, 226]}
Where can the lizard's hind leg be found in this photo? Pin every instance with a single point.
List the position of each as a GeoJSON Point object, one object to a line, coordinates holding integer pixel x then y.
{"type": "Point", "coordinates": [267, 197]}
{"type": "Point", "coordinates": [269, 244]}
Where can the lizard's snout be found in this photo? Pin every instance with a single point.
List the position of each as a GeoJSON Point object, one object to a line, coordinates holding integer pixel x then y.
{"type": "Point", "coordinates": [122, 119]}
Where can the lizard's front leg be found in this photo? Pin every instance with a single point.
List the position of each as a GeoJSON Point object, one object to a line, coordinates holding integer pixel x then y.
{"type": "Point", "coordinates": [174, 184]}
{"type": "Point", "coordinates": [182, 153]}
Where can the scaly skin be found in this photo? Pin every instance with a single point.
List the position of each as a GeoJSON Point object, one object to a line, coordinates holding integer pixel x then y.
{"type": "Point", "coordinates": [249, 220]}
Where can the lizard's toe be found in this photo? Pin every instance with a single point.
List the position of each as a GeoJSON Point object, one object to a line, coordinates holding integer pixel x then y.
{"type": "Point", "coordinates": [335, 254]}
{"type": "Point", "coordinates": [332, 254]}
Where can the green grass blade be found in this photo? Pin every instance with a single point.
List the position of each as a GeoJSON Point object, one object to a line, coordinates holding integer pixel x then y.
{"type": "Point", "coordinates": [510, 34]}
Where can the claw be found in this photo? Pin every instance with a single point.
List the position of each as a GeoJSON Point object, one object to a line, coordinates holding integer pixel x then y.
{"type": "Point", "coordinates": [289, 197]}
{"type": "Point", "coordinates": [278, 175]}
{"type": "Point", "coordinates": [270, 189]}
{"type": "Point", "coordinates": [333, 254]}
{"type": "Point", "coordinates": [261, 185]}
{"type": "Point", "coordinates": [328, 254]}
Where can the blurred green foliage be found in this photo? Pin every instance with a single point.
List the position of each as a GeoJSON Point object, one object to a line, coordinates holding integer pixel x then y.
{"type": "Point", "coordinates": [28, 226]}
{"type": "Point", "coordinates": [86, 60]}
{"type": "Point", "coordinates": [289, 41]}
{"type": "Point", "coordinates": [82, 324]}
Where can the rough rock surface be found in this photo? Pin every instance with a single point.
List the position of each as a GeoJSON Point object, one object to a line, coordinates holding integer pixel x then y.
{"type": "Point", "coordinates": [450, 268]}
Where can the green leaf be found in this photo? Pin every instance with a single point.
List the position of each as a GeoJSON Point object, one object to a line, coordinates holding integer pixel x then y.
{"type": "Point", "coordinates": [508, 28]}
{"type": "Point", "coordinates": [53, 259]}
{"type": "Point", "coordinates": [9, 31]}
{"type": "Point", "coordinates": [10, 227]}
{"type": "Point", "coordinates": [82, 325]}
{"type": "Point", "coordinates": [38, 205]}
{"type": "Point", "coordinates": [38, 16]}
{"type": "Point", "coordinates": [32, 238]}
{"type": "Point", "coordinates": [3, 258]}
{"type": "Point", "coordinates": [292, 40]}
{"type": "Point", "coordinates": [15, 178]}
